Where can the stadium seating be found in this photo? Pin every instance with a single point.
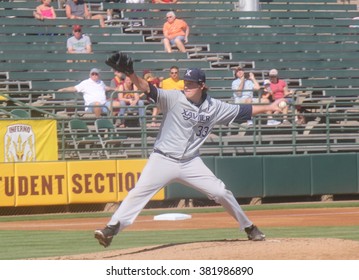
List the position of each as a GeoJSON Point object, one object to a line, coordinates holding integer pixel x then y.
{"type": "Point", "coordinates": [309, 42]}
{"type": "Point", "coordinates": [111, 140]}
{"type": "Point", "coordinates": [84, 140]}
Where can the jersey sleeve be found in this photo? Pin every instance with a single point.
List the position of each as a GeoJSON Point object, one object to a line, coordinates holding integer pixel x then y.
{"type": "Point", "coordinates": [244, 114]}
{"type": "Point", "coordinates": [153, 92]}
{"type": "Point", "coordinates": [228, 113]}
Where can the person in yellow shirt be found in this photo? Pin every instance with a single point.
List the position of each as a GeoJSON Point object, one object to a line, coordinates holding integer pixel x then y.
{"type": "Point", "coordinates": [173, 82]}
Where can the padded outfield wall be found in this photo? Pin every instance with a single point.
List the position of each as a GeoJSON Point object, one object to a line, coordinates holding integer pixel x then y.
{"type": "Point", "coordinates": [105, 181]}
{"type": "Point", "coordinates": [281, 175]}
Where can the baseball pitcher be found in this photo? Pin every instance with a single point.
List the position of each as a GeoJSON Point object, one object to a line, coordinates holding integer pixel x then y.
{"type": "Point", "coordinates": [188, 118]}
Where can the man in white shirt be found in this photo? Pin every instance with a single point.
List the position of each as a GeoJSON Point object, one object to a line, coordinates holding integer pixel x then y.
{"type": "Point", "coordinates": [94, 93]}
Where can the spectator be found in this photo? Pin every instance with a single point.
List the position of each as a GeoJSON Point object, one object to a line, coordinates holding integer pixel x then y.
{"type": "Point", "coordinates": [77, 9]}
{"type": "Point", "coordinates": [94, 93]}
{"type": "Point", "coordinates": [45, 11]}
{"type": "Point", "coordinates": [173, 82]}
{"type": "Point", "coordinates": [175, 33]}
{"type": "Point", "coordinates": [128, 97]}
{"type": "Point", "coordinates": [280, 90]}
{"type": "Point", "coordinates": [78, 43]}
{"type": "Point", "coordinates": [244, 85]}
{"type": "Point", "coordinates": [157, 82]}
{"type": "Point", "coordinates": [151, 78]}
{"type": "Point", "coordinates": [266, 93]}
{"type": "Point", "coordinates": [117, 80]}
{"type": "Point", "coordinates": [266, 97]}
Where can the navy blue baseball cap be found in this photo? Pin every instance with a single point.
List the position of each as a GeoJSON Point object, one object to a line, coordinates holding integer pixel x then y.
{"type": "Point", "coordinates": [194, 75]}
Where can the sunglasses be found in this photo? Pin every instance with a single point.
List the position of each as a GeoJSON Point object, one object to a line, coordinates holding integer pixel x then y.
{"type": "Point", "coordinates": [94, 74]}
{"type": "Point", "coordinates": [77, 31]}
{"type": "Point", "coordinates": [169, 17]}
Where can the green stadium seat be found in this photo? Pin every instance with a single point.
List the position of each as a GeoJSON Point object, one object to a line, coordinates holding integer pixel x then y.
{"type": "Point", "coordinates": [111, 140]}
{"type": "Point", "coordinates": [20, 113]}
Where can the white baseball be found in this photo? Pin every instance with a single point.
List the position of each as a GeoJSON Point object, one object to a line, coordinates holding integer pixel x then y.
{"type": "Point", "coordinates": [282, 104]}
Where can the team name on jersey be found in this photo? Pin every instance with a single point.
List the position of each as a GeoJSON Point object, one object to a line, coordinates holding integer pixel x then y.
{"type": "Point", "coordinates": [187, 115]}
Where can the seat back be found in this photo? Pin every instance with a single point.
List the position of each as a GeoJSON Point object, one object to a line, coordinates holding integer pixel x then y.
{"type": "Point", "coordinates": [104, 125]}
{"type": "Point", "coordinates": [79, 129]}
{"type": "Point", "coordinates": [19, 113]}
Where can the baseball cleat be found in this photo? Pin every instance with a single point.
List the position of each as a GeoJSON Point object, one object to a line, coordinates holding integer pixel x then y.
{"type": "Point", "coordinates": [254, 233]}
{"type": "Point", "coordinates": [104, 236]}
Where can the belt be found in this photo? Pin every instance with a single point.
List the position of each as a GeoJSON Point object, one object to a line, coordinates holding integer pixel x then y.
{"type": "Point", "coordinates": [164, 154]}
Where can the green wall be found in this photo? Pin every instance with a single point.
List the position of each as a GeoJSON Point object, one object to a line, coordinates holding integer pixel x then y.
{"type": "Point", "coordinates": [287, 175]}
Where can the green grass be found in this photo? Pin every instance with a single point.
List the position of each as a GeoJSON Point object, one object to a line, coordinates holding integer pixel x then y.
{"type": "Point", "coordinates": [42, 244]}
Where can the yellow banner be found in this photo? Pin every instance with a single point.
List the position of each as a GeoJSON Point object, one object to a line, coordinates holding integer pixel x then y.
{"type": "Point", "coordinates": [28, 140]}
{"type": "Point", "coordinates": [41, 183]}
{"type": "Point", "coordinates": [61, 183]}
{"type": "Point", "coordinates": [7, 184]}
{"type": "Point", "coordinates": [92, 181]}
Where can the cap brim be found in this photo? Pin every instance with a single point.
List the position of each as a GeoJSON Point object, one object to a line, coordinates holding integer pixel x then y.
{"type": "Point", "coordinates": [190, 80]}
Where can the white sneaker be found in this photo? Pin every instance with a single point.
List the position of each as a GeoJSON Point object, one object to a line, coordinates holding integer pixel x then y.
{"type": "Point", "coordinates": [249, 122]}
{"type": "Point", "coordinates": [286, 121]}
{"type": "Point", "coordinates": [273, 122]}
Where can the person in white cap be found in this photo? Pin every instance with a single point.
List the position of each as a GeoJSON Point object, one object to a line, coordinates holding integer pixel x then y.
{"type": "Point", "coordinates": [94, 93]}
{"type": "Point", "coordinates": [280, 90]}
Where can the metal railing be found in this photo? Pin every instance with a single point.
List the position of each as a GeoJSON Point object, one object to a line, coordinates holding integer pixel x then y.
{"type": "Point", "coordinates": [330, 127]}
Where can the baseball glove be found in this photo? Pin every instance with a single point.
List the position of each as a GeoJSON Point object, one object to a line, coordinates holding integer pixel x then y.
{"type": "Point", "coordinates": [120, 62]}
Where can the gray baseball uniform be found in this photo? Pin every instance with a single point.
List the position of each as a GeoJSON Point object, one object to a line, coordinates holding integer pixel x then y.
{"type": "Point", "coordinates": [184, 128]}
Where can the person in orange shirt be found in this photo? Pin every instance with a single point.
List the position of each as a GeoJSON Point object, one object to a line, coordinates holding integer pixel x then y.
{"type": "Point", "coordinates": [175, 33]}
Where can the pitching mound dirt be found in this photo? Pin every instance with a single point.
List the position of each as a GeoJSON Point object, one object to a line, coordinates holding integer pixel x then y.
{"type": "Point", "coordinates": [271, 249]}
